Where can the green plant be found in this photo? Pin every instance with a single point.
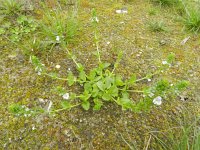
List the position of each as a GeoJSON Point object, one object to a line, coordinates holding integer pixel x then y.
{"type": "Point", "coordinates": [167, 2]}
{"type": "Point", "coordinates": [22, 110]}
{"type": "Point", "coordinates": [192, 19]}
{"type": "Point", "coordinates": [101, 85]}
{"type": "Point", "coordinates": [152, 11]}
{"type": "Point", "coordinates": [57, 26]}
{"type": "Point", "coordinates": [187, 139]}
{"type": "Point", "coordinates": [24, 26]}
{"type": "Point", "coordinates": [10, 7]}
{"type": "Point", "coordinates": [156, 26]}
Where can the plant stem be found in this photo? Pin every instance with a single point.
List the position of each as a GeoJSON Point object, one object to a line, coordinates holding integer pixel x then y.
{"type": "Point", "coordinates": [97, 44]}
{"type": "Point", "coordinates": [58, 110]}
{"type": "Point", "coordinates": [74, 60]}
{"type": "Point", "coordinates": [64, 79]}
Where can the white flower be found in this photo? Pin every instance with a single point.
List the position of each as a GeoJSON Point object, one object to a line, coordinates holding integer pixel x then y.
{"type": "Point", "coordinates": [66, 96]}
{"type": "Point", "coordinates": [33, 128]}
{"type": "Point", "coordinates": [58, 66]}
{"type": "Point", "coordinates": [164, 62]}
{"type": "Point", "coordinates": [95, 19]}
{"type": "Point", "coordinates": [119, 11]}
{"type": "Point", "coordinates": [149, 80]}
{"type": "Point", "coordinates": [57, 38]}
{"type": "Point", "coordinates": [157, 100]}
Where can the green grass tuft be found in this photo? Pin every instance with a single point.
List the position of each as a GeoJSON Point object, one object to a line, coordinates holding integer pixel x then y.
{"type": "Point", "coordinates": [192, 20]}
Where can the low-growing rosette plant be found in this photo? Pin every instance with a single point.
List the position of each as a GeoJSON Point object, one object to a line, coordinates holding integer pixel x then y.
{"type": "Point", "coordinates": [101, 85]}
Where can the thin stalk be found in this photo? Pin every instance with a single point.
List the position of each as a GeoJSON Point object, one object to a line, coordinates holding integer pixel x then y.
{"type": "Point", "coordinates": [135, 91]}
{"type": "Point", "coordinates": [97, 44]}
{"type": "Point", "coordinates": [147, 77]}
{"type": "Point", "coordinates": [64, 79]}
{"type": "Point", "coordinates": [58, 110]}
{"type": "Point", "coordinates": [74, 60]}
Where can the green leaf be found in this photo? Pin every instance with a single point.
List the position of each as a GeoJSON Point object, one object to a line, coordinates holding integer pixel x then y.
{"type": "Point", "coordinates": [37, 64]}
{"type": "Point", "coordinates": [106, 97]}
{"type": "Point", "coordinates": [100, 85]}
{"type": "Point", "coordinates": [2, 31]}
{"type": "Point", "coordinates": [80, 67]}
{"type": "Point", "coordinates": [98, 103]}
{"type": "Point", "coordinates": [88, 87]}
{"type": "Point", "coordinates": [113, 91]}
{"type": "Point", "coordinates": [71, 79]}
{"type": "Point", "coordinates": [82, 76]}
{"type": "Point", "coordinates": [171, 58]}
{"type": "Point", "coordinates": [99, 71]}
{"type": "Point", "coordinates": [146, 91]}
{"type": "Point", "coordinates": [181, 85]}
{"type": "Point", "coordinates": [16, 109]}
{"type": "Point", "coordinates": [108, 82]}
{"type": "Point", "coordinates": [97, 78]}
{"type": "Point", "coordinates": [104, 65]}
{"type": "Point", "coordinates": [125, 102]}
{"type": "Point", "coordinates": [85, 96]}
{"type": "Point", "coordinates": [118, 80]}
{"type": "Point", "coordinates": [132, 80]}
{"type": "Point", "coordinates": [95, 90]}
{"type": "Point", "coordinates": [162, 85]}
{"type": "Point", "coordinates": [85, 105]}
{"type": "Point", "coordinates": [66, 105]}
{"type": "Point", "coordinates": [92, 74]}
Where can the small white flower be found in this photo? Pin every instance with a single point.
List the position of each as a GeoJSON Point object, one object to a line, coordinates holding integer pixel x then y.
{"type": "Point", "coordinates": [33, 128]}
{"type": "Point", "coordinates": [95, 19]}
{"type": "Point", "coordinates": [164, 62]}
{"type": "Point", "coordinates": [41, 100]}
{"type": "Point", "coordinates": [119, 11]}
{"type": "Point", "coordinates": [39, 73]}
{"type": "Point", "coordinates": [69, 69]}
{"type": "Point", "coordinates": [58, 66]}
{"type": "Point", "coordinates": [108, 42]}
{"type": "Point", "coordinates": [57, 38]}
{"type": "Point", "coordinates": [157, 100]}
{"type": "Point", "coordinates": [149, 80]}
{"type": "Point", "coordinates": [66, 96]}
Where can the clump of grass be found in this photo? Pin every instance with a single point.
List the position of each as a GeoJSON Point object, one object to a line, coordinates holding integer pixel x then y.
{"type": "Point", "coordinates": [157, 26]}
{"type": "Point", "coordinates": [189, 138]}
{"type": "Point", "coordinates": [58, 26]}
{"type": "Point", "coordinates": [192, 19]}
{"type": "Point", "coordinates": [10, 7]}
{"type": "Point", "coordinates": [167, 2]}
{"type": "Point", "coordinates": [152, 12]}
